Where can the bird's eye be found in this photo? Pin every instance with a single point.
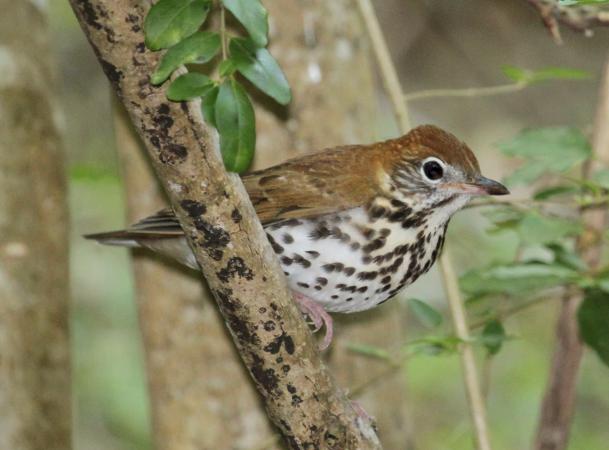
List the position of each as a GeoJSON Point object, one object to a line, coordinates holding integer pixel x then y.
{"type": "Point", "coordinates": [433, 169]}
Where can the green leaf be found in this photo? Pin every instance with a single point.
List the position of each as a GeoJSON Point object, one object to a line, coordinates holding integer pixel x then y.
{"type": "Point", "coordinates": [593, 318]}
{"type": "Point", "coordinates": [369, 350]}
{"type": "Point", "coordinates": [236, 124]}
{"type": "Point", "coordinates": [582, 2]}
{"type": "Point", "coordinates": [252, 16]}
{"type": "Point", "coordinates": [170, 21]}
{"type": "Point", "coordinates": [492, 337]}
{"type": "Point", "coordinates": [567, 257]}
{"type": "Point", "coordinates": [552, 149]}
{"type": "Point", "coordinates": [200, 47]}
{"type": "Point", "coordinates": [189, 86]}
{"type": "Point", "coordinates": [435, 345]}
{"type": "Point", "coordinates": [427, 315]}
{"type": "Point", "coordinates": [259, 67]}
{"type": "Point", "coordinates": [208, 105]}
{"type": "Point", "coordinates": [537, 229]}
{"type": "Point", "coordinates": [516, 278]}
{"type": "Point", "coordinates": [601, 178]}
{"type": "Point", "coordinates": [548, 73]}
{"type": "Point", "coordinates": [515, 73]}
{"type": "Point", "coordinates": [554, 191]}
{"type": "Point", "coordinates": [227, 68]}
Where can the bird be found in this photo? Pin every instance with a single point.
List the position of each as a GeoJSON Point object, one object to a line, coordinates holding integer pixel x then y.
{"type": "Point", "coordinates": [353, 225]}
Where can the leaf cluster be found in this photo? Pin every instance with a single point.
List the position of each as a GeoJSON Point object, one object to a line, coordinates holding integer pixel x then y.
{"type": "Point", "coordinates": [175, 25]}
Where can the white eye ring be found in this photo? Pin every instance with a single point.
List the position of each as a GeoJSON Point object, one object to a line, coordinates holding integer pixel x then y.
{"type": "Point", "coordinates": [425, 173]}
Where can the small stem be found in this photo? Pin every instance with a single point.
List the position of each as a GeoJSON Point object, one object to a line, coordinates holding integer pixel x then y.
{"type": "Point", "coordinates": [468, 361]}
{"type": "Point", "coordinates": [467, 92]}
{"type": "Point", "coordinates": [223, 32]}
{"type": "Point", "coordinates": [388, 72]}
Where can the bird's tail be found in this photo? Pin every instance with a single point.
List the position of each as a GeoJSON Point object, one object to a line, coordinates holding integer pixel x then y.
{"type": "Point", "coordinates": [123, 238]}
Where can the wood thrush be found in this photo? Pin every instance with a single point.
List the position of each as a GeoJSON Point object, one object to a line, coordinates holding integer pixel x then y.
{"type": "Point", "coordinates": [352, 226]}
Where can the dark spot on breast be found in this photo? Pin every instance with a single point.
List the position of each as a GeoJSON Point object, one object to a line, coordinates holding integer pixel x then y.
{"type": "Point", "coordinates": [367, 275]}
{"type": "Point", "coordinates": [374, 245]}
{"type": "Point", "coordinates": [349, 271]}
{"type": "Point", "coordinates": [278, 249]}
{"type": "Point", "coordinates": [298, 259]}
{"type": "Point", "coordinates": [313, 253]}
{"type": "Point", "coordinates": [287, 238]}
{"type": "Point", "coordinates": [386, 280]}
{"type": "Point", "coordinates": [368, 232]}
{"type": "Point", "coordinates": [362, 289]}
{"type": "Point", "coordinates": [235, 267]}
{"type": "Point", "coordinates": [329, 267]}
{"type": "Point", "coordinates": [355, 245]}
{"type": "Point", "coordinates": [348, 299]}
{"type": "Point", "coordinates": [322, 281]}
{"type": "Point", "coordinates": [334, 297]}
{"type": "Point", "coordinates": [321, 231]}
{"type": "Point", "coordinates": [376, 212]}
{"type": "Point", "coordinates": [303, 285]}
{"type": "Point", "coordinates": [286, 261]}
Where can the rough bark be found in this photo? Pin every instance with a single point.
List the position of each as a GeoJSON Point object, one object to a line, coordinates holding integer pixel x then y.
{"type": "Point", "coordinates": [323, 48]}
{"type": "Point", "coordinates": [559, 400]}
{"type": "Point", "coordinates": [228, 241]}
{"type": "Point", "coordinates": [194, 374]}
{"type": "Point", "coordinates": [34, 351]}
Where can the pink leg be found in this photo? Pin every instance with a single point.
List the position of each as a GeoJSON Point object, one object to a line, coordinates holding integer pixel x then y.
{"type": "Point", "coordinates": [318, 315]}
{"type": "Point", "coordinates": [361, 412]}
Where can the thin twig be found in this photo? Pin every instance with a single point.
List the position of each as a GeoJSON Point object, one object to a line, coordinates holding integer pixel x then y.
{"type": "Point", "coordinates": [223, 32]}
{"type": "Point", "coordinates": [387, 68]}
{"type": "Point", "coordinates": [396, 94]}
{"type": "Point", "coordinates": [467, 92]}
{"type": "Point", "coordinates": [578, 18]}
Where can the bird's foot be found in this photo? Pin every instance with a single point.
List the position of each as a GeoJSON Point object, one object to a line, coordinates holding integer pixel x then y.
{"type": "Point", "coordinates": [318, 316]}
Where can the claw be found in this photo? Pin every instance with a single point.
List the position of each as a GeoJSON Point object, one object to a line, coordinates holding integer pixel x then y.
{"type": "Point", "coordinates": [318, 316]}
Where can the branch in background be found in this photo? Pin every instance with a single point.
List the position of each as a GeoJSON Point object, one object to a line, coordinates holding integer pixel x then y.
{"type": "Point", "coordinates": [451, 285]}
{"type": "Point", "coordinates": [559, 399]}
{"type": "Point", "coordinates": [227, 239]}
{"type": "Point", "coordinates": [34, 228]}
{"type": "Point", "coordinates": [467, 92]}
{"type": "Point", "coordinates": [578, 18]}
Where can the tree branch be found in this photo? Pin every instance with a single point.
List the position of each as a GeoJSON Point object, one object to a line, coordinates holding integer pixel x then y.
{"type": "Point", "coordinates": [559, 400]}
{"type": "Point", "coordinates": [577, 18]}
{"type": "Point", "coordinates": [35, 399]}
{"type": "Point", "coordinates": [227, 239]}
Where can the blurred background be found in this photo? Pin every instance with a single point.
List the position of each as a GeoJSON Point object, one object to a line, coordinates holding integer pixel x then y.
{"type": "Point", "coordinates": [435, 44]}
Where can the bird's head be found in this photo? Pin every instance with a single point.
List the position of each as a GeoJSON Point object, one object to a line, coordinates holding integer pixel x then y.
{"type": "Point", "coordinates": [437, 169]}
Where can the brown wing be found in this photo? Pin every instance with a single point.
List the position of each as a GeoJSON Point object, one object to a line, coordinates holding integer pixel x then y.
{"type": "Point", "coordinates": [329, 181]}
{"type": "Point", "coordinates": [316, 184]}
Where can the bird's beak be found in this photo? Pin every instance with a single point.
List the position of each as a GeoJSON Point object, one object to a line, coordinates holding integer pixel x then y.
{"type": "Point", "coordinates": [481, 186]}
